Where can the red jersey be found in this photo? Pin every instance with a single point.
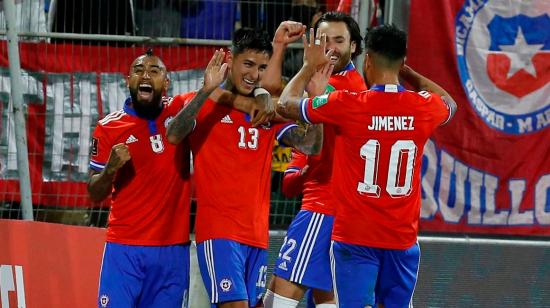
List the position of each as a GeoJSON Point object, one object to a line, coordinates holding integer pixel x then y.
{"type": "Point", "coordinates": [232, 172]}
{"type": "Point", "coordinates": [150, 199]}
{"type": "Point", "coordinates": [378, 154]}
{"type": "Point", "coordinates": [316, 187]}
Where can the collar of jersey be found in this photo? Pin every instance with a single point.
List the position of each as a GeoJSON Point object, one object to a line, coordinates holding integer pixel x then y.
{"type": "Point", "coordinates": [130, 110]}
{"type": "Point", "coordinates": [348, 67]}
{"type": "Point", "coordinates": [391, 88]}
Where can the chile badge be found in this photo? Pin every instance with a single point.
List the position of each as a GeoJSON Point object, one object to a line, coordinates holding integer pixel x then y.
{"type": "Point", "coordinates": [503, 55]}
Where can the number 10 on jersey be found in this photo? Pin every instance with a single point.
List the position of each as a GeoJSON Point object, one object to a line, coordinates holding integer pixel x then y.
{"type": "Point", "coordinates": [403, 153]}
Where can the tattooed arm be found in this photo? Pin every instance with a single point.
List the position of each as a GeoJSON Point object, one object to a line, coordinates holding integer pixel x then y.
{"type": "Point", "coordinates": [308, 140]}
{"type": "Point", "coordinates": [183, 122]}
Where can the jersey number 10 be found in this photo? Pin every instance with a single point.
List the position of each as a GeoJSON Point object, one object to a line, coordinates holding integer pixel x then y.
{"type": "Point", "coordinates": [403, 152]}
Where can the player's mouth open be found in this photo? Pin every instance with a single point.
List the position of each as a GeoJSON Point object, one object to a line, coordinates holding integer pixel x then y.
{"type": "Point", "coordinates": [145, 92]}
{"type": "Point", "coordinates": [334, 59]}
{"type": "Point", "coordinates": [249, 83]}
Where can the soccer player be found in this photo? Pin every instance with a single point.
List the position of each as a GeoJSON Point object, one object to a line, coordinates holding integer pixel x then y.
{"type": "Point", "coordinates": [146, 257]}
{"type": "Point", "coordinates": [232, 164]}
{"type": "Point", "coordinates": [304, 260]}
{"type": "Point", "coordinates": [377, 166]}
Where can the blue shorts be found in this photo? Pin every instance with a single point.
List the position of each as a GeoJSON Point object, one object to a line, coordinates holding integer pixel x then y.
{"type": "Point", "coordinates": [144, 276]}
{"type": "Point", "coordinates": [304, 256]}
{"type": "Point", "coordinates": [232, 271]}
{"type": "Point", "coordinates": [365, 276]}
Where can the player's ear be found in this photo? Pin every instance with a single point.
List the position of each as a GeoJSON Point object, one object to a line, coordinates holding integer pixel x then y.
{"type": "Point", "coordinates": [366, 62]}
{"type": "Point", "coordinates": [353, 47]}
{"type": "Point", "coordinates": [166, 85]}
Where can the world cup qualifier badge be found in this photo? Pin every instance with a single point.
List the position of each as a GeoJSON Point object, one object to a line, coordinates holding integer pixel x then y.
{"type": "Point", "coordinates": [503, 53]}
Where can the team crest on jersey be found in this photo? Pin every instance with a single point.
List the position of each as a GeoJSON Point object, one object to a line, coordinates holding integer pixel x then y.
{"type": "Point", "coordinates": [225, 284]}
{"type": "Point", "coordinates": [319, 101]}
{"type": "Point", "coordinates": [267, 125]}
{"type": "Point", "coordinates": [504, 62]}
{"type": "Point", "coordinates": [104, 300]}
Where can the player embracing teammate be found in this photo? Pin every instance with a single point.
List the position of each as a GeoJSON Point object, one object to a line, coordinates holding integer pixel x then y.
{"type": "Point", "coordinates": [381, 136]}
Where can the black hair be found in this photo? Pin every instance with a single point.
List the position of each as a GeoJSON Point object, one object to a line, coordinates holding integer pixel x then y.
{"type": "Point", "coordinates": [387, 41]}
{"type": "Point", "coordinates": [149, 52]}
{"type": "Point", "coordinates": [251, 39]}
{"type": "Point", "coordinates": [351, 24]}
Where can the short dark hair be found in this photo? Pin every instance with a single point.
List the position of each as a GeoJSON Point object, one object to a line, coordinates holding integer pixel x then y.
{"type": "Point", "coordinates": [351, 24]}
{"type": "Point", "coordinates": [149, 52]}
{"type": "Point", "coordinates": [387, 41]}
{"type": "Point", "coordinates": [251, 39]}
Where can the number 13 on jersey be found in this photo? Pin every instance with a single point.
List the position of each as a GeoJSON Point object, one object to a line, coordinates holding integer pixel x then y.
{"type": "Point", "coordinates": [402, 157]}
{"type": "Point", "coordinates": [251, 141]}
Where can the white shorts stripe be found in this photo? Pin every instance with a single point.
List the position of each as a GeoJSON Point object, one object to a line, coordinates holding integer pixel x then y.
{"type": "Point", "coordinates": [311, 246]}
{"type": "Point", "coordinates": [101, 269]}
{"type": "Point", "coordinates": [333, 271]}
{"type": "Point", "coordinates": [300, 251]}
{"type": "Point", "coordinates": [209, 256]}
{"type": "Point", "coordinates": [414, 288]}
{"type": "Point", "coordinates": [306, 247]}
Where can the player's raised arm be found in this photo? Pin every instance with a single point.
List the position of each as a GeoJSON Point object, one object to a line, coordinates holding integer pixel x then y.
{"type": "Point", "coordinates": [315, 57]}
{"type": "Point", "coordinates": [287, 32]}
{"type": "Point", "coordinates": [422, 83]}
{"type": "Point", "coordinates": [214, 75]}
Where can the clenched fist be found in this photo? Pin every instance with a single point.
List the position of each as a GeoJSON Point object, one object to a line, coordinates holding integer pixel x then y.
{"type": "Point", "coordinates": [118, 157]}
{"type": "Point", "coordinates": [288, 32]}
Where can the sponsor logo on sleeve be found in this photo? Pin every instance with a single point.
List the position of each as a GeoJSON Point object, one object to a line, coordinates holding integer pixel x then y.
{"type": "Point", "coordinates": [319, 101]}
{"type": "Point", "coordinates": [95, 142]}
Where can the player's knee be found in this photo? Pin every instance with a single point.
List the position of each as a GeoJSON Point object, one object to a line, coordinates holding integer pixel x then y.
{"type": "Point", "coordinates": [324, 297]}
{"type": "Point", "coordinates": [273, 300]}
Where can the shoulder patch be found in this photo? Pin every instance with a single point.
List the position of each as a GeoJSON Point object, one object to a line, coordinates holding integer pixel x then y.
{"type": "Point", "coordinates": [319, 101]}
{"type": "Point", "coordinates": [95, 142]}
{"type": "Point", "coordinates": [329, 88]}
{"type": "Point", "coordinates": [424, 94]}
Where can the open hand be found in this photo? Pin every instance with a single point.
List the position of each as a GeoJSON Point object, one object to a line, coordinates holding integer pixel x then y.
{"type": "Point", "coordinates": [315, 53]}
{"type": "Point", "coordinates": [318, 83]}
{"type": "Point", "coordinates": [215, 72]}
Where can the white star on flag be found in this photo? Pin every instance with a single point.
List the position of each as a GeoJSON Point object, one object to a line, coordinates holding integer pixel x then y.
{"type": "Point", "coordinates": [521, 54]}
